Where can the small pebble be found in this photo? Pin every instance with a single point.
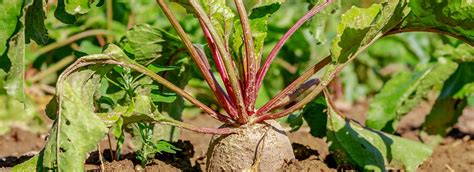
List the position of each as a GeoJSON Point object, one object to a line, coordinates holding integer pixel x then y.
{"type": "Point", "coordinates": [138, 168]}
{"type": "Point", "coordinates": [466, 138]}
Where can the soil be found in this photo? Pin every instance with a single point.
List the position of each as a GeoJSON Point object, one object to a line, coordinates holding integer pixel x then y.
{"type": "Point", "coordinates": [454, 153]}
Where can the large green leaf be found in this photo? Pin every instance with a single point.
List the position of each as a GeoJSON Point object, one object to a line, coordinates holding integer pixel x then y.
{"type": "Point", "coordinates": [259, 15]}
{"type": "Point", "coordinates": [455, 17]}
{"type": "Point", "coordinates": [447, 107]}
{"type": "Point", "coordinates": [359, 27]}
{"type": "Point", "coordinates": [403, 92]}
{"type": "Point", "coordinates": [372, 150]}
{"type": "Point", "coordinates": [353, 30]}
{"type": "Point", "coordinates": [77, 129]}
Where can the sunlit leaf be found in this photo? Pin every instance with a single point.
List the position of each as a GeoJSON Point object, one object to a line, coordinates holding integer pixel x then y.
{"type": "Point", "coordinates": [11, 12]}
{"type": "Point", "coordinates": [222, 17]}
{"type": "Point", "coordinates": [455, 17]}
{"type": "Point", "coordinates": [360, 26]}
{"type": "Point", "coordinates": [353, 31]}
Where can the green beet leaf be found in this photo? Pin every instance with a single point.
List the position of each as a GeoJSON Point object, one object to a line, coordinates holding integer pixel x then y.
{"type": "Point", "coordinates": [320, 24]}
{"type": "Point", "coordinates": [360, 26]}
{"type": "Point", "coordinates": [353, 30]}
{"type": "Point", "coordinates": [455, 17]}
{"type": "Point", "coordinates": [78, 129]}
{"type": "Point", "coordinates": [315, 116]}
{"type": "Point", "coordinates": [371, 150]}
{"type": "Point", "coordinates": [30, 165]}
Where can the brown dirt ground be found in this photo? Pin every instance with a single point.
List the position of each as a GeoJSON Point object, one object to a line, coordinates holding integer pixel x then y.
{"type": "Point", "coordinates": [455, 153]}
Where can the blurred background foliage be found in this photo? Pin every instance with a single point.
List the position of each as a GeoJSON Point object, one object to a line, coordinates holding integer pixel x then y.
{"type": "Point", "coordinates": [72, 36]}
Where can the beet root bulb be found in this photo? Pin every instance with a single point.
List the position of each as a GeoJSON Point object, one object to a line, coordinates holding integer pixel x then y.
{"type": "Point", "coordinates": [264, 147]}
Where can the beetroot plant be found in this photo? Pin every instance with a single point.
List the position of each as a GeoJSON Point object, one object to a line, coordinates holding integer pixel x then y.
{"type": "Point", "coordinates": [233, 64]}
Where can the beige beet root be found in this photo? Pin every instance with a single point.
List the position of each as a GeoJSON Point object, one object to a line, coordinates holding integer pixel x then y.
{"type": "Point", "coordinates": [264, 147]}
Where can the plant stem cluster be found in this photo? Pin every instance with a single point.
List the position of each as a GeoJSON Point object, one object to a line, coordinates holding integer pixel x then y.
{"type": "Point", "coordinates": [241, 85]}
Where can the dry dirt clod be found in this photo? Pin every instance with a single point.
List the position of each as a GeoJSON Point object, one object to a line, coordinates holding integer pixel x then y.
{"type": "Point", "coordinates": [265, 147]}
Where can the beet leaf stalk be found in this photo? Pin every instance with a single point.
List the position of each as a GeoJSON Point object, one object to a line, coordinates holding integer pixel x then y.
{"type": "Point", "coordinates": [251, 59]}
{"type": "Point", "coordinates": [228, 63]}
{"type": "Point", "coordinates": [206, 71]}
{"type": "Point", "coordinates": [316, 9]}
{"type": "Point", "coordinates": [240, 91]}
